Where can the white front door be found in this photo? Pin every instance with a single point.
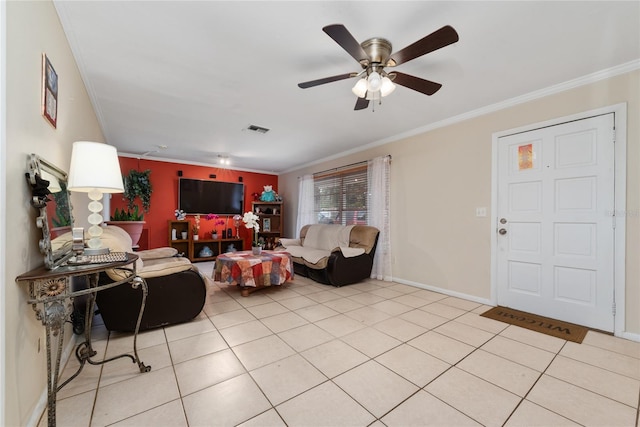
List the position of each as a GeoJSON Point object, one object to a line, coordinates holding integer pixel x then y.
{"type": "Point", "coordinates": [555, 230]}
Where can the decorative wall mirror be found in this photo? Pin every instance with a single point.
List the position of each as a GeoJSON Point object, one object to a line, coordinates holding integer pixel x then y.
{"type": "Point", "coordinates": [50, 196]}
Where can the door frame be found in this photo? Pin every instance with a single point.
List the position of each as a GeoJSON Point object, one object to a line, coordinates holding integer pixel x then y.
{"type": "Point", "coordinates": [620, 182]}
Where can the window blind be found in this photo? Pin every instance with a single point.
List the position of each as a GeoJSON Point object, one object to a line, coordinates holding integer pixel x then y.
{"type": "Point", "coordinates": [340, 196]}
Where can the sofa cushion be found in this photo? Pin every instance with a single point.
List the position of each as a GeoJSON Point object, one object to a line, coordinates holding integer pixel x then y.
{"type": "Point", "coordinates": [150, 254]}
{"type": "Point", "coordinates": [327, 236]}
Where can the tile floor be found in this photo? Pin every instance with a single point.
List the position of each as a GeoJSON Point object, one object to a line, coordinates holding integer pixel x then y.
{"type": "Point", "coordinates": [370, 354]}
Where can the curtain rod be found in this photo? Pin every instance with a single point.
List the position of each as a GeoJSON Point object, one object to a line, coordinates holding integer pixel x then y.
{"type": "Point", "coordinates": [347, 166]}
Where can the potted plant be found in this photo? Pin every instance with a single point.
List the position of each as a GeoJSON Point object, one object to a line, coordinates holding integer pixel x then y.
{"type": "Point", "coordinates": [137, 185]}
{"type": "Point", "coordinates": [251, 221]}
{"type": "Point", "coordinates": [217, 221]}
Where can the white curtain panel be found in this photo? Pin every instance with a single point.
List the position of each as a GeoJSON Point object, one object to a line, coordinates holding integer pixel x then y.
{"type": "Point", "coordinates": [306, 207]}
{"type": "Point", "coordinates": [378, 175]}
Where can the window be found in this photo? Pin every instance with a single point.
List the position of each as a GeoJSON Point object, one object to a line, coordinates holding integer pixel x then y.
{"type": "Point", "coordinates": [340, 196]}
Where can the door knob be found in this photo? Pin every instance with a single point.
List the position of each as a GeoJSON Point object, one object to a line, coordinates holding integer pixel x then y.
{"type": "Point", "coordinates": [503, 220]}
{"type": "Point", "coordinates": [502, 231]}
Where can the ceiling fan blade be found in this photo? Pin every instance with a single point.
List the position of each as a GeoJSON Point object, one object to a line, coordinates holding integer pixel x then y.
{"type": "Point", "coordinates": [319, 82]}
{"type": "Point", "coordinates": [416, 83]}
{"type": "Point", "coordinates": [434, 41]}
{"type": "Point", "coordinates": [343, 37]}
{"type": "Point", "coordinates": [361, 104]}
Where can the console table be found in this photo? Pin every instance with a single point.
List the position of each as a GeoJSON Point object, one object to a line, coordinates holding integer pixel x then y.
{"type": "Point", "coordinates": [51, 297]}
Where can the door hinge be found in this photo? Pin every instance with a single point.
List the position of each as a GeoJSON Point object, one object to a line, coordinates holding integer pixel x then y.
{"type": "Point", "coordinates": [613, 221]}
{"type": "Point", "coordinates": [614, 135]}
{"type": "Point", "coordinates": [613, 308]}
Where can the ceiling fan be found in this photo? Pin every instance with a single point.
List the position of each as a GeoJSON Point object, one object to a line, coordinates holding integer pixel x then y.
{"type": "Point", "coordinates": [375, 54]}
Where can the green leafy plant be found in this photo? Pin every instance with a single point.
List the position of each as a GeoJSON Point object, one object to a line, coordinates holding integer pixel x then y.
{"type": "Point", "coordinates": [128, 215]}
{"type": "Point", "coordinates": [138, 184]}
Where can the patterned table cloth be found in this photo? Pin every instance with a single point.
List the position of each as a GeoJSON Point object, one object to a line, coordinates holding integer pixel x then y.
{"type": "Point", "coordinates": [247, 270]}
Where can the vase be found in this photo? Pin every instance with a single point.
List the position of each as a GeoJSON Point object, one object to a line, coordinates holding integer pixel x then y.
{"type": "Point", "coordinates": [214, 236]}
{"type": "Point", "coordinates": [133, 228]}
{"type": "Point", "coordinates": [257, 250]}
{"type": "Point", "coordinates": [196, 237]}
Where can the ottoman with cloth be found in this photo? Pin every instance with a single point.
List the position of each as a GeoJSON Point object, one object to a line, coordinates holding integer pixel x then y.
{"type": "Point", "coordinates": [333, 254]}
{"type": "Point", "coordinates": [251, 272]}
{"type": "Point", "coordinates": [177, 290]}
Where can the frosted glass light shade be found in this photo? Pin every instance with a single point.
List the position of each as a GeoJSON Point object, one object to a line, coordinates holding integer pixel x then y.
{"type": "Point", "coordinates": [94, 166]}
{"type": "Point", "coordinates": [360, 89]}
{"type": "Point", "coordinates": [374, 82]}
{"type": "Point", "coordinates": [387, 86]}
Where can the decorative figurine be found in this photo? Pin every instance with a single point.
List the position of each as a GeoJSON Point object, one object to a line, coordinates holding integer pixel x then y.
{"type": "Point", "coordinates": [268, 195]}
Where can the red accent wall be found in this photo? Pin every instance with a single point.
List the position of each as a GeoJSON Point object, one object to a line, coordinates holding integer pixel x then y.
{"type": "Point", "coordinates": [164, 199]}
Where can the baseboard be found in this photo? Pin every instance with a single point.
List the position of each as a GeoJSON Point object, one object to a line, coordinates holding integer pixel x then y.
{"type": "Point", "coordinates": [630, 336]}
{"type": "Point", "coordinates": [41, 406]}
{"type": "Point", "coordinates": [448, 292]}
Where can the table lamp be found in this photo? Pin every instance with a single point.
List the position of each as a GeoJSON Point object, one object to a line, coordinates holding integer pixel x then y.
{"type": "Point", "coordinates": [95, 170]}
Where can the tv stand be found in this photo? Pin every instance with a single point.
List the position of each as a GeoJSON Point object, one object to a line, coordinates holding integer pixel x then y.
{"type": "Point", "coordinates": [191, 248]}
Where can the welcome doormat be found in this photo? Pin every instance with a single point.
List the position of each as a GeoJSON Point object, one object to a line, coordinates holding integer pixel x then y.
{"type": "Point", "coordinates": [544, 325]}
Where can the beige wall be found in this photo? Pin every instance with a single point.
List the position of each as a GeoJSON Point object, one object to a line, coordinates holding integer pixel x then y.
{"type": "Point", "coordinates": [32, 28]}
{"type": "Point", "coordinates": [439, 177]}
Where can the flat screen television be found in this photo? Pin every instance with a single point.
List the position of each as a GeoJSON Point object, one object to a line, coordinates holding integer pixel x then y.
{"type": "Point", "coordinates": [199, 196]}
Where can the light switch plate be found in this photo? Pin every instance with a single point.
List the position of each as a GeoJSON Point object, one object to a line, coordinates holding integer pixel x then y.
{"type": "Point", "coordinates": [481, 212]}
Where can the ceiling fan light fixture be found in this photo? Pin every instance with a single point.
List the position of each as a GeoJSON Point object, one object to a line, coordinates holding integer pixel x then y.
{"type": "Point", "coordinates": [360, 88]}
{"type": "Point", "coordinates": [387, 86]}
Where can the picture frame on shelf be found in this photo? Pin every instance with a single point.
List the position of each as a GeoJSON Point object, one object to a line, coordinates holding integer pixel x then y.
{"type": "Point", "coordinates": [266, 225]}
{"type": "Point", "coordinates": [49, 91]}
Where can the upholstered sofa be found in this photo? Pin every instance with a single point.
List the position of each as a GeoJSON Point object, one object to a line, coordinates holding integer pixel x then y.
{"type": "Point", "coordinates": [333, 254]}
{"type": "Point", "coordinates": [177, 290]}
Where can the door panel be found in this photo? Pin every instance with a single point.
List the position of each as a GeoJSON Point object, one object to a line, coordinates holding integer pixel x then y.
{"type": "Point", "coordinates": [556, 192]}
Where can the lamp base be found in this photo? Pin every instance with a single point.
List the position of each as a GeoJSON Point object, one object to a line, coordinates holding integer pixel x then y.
{"type": "Point", "coordinates": [95, 251]}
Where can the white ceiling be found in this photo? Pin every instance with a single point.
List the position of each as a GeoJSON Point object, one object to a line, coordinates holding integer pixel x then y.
{"type": "Point", "coordinates": [192, 76]}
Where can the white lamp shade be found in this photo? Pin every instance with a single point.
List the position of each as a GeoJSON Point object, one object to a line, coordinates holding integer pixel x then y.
{"type": "Point", "coordinates": [95, 166]}
{"type": "Point", "coordinates": [387, 86]}
{"type": "Point", "coordinates": [360, 89]}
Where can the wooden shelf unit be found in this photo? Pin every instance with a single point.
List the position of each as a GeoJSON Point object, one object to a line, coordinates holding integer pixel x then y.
{"type": "Point", "coordinates": [271, 215]}
{"type": "Point", "coordinates": [218, 246]}
{"type": "Point", "coordinates": [182, 245]}
{"type": "Point", "coordinates": [191, 248]}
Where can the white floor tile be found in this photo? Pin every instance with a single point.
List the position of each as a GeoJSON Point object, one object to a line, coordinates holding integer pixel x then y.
{"type": "Point", "coordinates": [371, 342]}
{"type": "Point", "coordinates": [580, 405]}
{"type": "Point", "coordinates": [423, 409]}
{"type": "Point", "coordinates": [226, 404]}
{"type": "Point", "coordinates": [334, 357]}
{"type": "Point", "coordinates": [245, 332]}
{"type": "Point", "coordinates": [205, 371]}
{"type": "Point", "coordinates": [413, 364]}
{"type": "Point", "coordinates": [442, 347]}
{"type": "Point", "coordinates": [324, 405]}
{"type": "Point", "coordinates": [484, 402]}
{"type": "Point", "coordinates": [262, 352]}
{"type": "Point", "coordinates": [531, 415]}
{"type": "Point", "coordinates": [287, 378]}
{"type": "Point", "coordinates": [375, 387]}
{"type": "Point", "coordinates": [196, 346]}
{"type": "Point", "coordinates": [131, 397]}
{"type": "Point", "coordinates": [168, 415]}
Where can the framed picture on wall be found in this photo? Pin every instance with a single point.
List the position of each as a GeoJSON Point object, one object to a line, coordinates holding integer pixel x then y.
{"type": "Point", "coordinates": [49, 91]}
{"type": "Point", "coordinates": [266, 224]}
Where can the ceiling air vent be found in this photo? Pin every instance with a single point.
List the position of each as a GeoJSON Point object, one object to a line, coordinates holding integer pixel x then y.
{"type": "Point", "coordinates": [258, 129]}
